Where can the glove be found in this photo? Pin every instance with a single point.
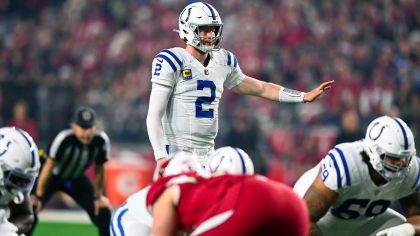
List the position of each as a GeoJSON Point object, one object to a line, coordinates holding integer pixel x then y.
{"type": "Point", "coordinates": [399, 230]}
{"type": "Point", "coordinates": [6, 228]}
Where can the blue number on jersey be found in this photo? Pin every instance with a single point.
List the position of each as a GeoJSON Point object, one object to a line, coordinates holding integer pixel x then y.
{"type": "Point", "coordinates": [363, 203]}
{"type": "Point", "coordinates": [199, 113]}
{"type": "Point", "coordinates": [158, 68]}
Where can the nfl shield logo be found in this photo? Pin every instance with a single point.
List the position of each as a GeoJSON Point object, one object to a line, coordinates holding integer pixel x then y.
{"type": "Point", "coordinates": [206, 72]}
{"type": "Point", "coordinates": [376, 192]}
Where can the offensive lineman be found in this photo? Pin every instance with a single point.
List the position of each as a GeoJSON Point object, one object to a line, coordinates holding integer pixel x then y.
{"type": "Point", "coordinates": [188, 84]}
{"type": "Point", "coordinates": [350, 190]}
{"type": "Point", "coordinates": [133, 219]}
{"type": "Point", "coordinates": [19, 166]}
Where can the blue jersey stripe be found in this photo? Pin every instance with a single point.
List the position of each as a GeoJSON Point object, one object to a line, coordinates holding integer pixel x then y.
{"type": "Point", "coordinates": [120, 227]}
{"type": "Point", "coordinates": [337, 170]}
{"type": "Point", "coordinates": [30, 146]}
{"type": "Point", "coordinates": [346, 168]}
{"type": "Point", "coordinates": [211, 10]}
{"type": "Point", "coordinates": [228, 54]}
{"type": "Point", "coordinates": [112, 219]}
{"type": "Point", "coordinates": [235, 61]}
{"type": "Point", "coordinates": [242, 161]}
{"type": "Point", "coordinates": [418, 176]}
{"type": "Point", "coordinates": [174, 56]}
{"type": "Point", "coordinates": [404, 133]}
{"type": "Point", "coordinates": [168, 60]}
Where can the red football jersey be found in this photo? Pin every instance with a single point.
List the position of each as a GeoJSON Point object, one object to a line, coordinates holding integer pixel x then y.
{"type": "Point", "coordinates": [235, 205]}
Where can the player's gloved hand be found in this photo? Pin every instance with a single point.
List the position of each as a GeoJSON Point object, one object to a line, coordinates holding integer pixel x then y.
{"type": "Point", "coordinates": [399, 230]}
{"type": "Point", "coordinates": [6, 228]}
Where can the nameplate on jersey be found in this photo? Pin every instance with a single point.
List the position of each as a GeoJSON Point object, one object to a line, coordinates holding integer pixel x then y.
{"type": "Point", "coordinates": [186, 74]}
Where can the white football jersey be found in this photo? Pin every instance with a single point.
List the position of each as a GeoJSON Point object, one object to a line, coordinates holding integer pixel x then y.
{"type": "Point", "coordinates": [344, 171]}
{"type": "Point", "coordinates": [191, 117]}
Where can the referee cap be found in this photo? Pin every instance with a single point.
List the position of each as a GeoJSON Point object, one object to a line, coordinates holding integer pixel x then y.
{"type": "Point", "coordinates": [85, 117]}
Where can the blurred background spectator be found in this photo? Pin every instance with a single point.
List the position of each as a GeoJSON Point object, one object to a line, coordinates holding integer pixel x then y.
{"type": "Point", "coordinates": [59, 54]}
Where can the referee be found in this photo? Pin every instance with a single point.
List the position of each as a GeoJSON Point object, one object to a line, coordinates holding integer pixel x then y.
{"type": "Point", "coordinates": [69, 155]}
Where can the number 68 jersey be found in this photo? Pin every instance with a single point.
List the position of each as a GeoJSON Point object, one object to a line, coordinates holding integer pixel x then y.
{"type": "Point", "coordinates": [344, 171]}
{"type": "Point", "coordinates": [191, 117]}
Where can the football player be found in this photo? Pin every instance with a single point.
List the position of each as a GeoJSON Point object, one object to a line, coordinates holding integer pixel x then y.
{"type": "Point", "coordinates": [187, 85]}
{"type": "Point", "coordinates": [137, 220]}
{"type": "Point", "coordinates": [224, 205]}
{"type": "Point", "coordinates": [349, 192]}
{"type": "Point", "coordinates": [19, 166]}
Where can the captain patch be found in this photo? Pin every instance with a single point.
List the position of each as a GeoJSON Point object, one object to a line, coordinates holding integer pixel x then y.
{"type": "Point", "coordinates": [186, 74]}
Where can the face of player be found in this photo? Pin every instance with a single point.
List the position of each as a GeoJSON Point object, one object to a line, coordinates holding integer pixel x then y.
{"type": "Point", "coordinates": [84, 135]}
{"type": "Point", "coordinates": [206, 32]}
{"type": "Point", "coordinates": [400, 162]}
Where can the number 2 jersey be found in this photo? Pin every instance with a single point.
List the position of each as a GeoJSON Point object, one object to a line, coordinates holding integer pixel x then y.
{"type": "Point", "coordinates": [344, 172]}
{"type": "Point", "coordinates": [191, 117]}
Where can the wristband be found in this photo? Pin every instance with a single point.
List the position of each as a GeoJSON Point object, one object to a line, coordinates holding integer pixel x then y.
{"type": "Point", "coordinates": [291, 96]}
{"type": "Point", "coordinates": [37, 196]}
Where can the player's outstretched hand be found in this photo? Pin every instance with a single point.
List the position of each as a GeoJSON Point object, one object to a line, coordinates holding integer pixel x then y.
{"type": "Point", "coordinates": [314, 94]}
{"type": "Point", "coordinates": [102, 201]}
{"type": "Point", "coordinates": [399, 230]}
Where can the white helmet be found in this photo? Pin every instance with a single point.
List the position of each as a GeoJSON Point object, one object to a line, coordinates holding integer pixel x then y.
{"type": "Point", "coordinates": [176, 163]}
{"type": "Point", "coordinates": [390, 137]}
{"type": "Point", "coordinates": [200, 14]}
{"type": "Point", "coordinates": [19, 164]}
{"type": "Point", "coordinates": [232, 160]}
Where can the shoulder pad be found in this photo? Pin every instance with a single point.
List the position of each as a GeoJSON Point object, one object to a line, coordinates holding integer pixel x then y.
{"type": "Point", "coordinates": [171, 57]}
{"type": "Point", "coordinates": [231, 59]}
{"type": "Point", "coordinates": [335, 170]}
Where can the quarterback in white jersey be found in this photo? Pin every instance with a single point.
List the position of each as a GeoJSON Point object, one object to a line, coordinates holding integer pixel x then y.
{"type": "Point", "coordinates": [188, 84]}
{"type": "Point", "coordinates": [349, 192]}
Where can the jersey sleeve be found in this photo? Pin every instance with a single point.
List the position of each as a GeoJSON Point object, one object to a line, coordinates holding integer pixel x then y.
{"type": "Point", "coordinates": [166, 67]}
{"type": "Point", "coordinates": [58, 145]}
{"type": "Point", "coordinates": [335, 171]}
{"type": "Point", "coordinates": [236, 76]}
{"type": "Point", "coordinates": [105, 149]}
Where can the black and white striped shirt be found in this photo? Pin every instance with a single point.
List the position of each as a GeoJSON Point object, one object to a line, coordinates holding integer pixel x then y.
{"type": "Point", "coordinates": [74, 157]}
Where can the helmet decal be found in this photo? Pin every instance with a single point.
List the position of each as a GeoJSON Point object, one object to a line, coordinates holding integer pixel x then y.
{"type": "Point", "coordinates": [31, 148]}
{"type": "Point", "coordinates": [188, 17]}
{"type": "Point", "coordinates": [379, 135]}
{"type": "Point", "coordinates": [6, 148]}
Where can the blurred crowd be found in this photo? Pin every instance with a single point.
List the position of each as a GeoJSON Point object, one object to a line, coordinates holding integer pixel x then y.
{"type": "Point", "coordinates": [58, 54]}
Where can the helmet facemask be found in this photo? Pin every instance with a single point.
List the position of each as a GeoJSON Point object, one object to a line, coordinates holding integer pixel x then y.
{"type": "Point", "coordinates": [197, 41]}
{"type": "Point", "coordinates": [392, 173]}
{"type": "Point", "coordinates": [15, 183]}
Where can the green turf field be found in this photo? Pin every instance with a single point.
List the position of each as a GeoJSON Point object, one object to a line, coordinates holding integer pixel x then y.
{"type": "Point", "coordinates": [63, 229]}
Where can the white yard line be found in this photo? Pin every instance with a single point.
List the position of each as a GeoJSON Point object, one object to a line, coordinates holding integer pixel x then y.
{"type": "Point", "coordinates": [64, 216]}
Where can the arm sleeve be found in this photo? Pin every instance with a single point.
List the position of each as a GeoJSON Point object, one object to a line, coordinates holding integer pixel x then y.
{"type": "Point", "coordinates": [157, 106]}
